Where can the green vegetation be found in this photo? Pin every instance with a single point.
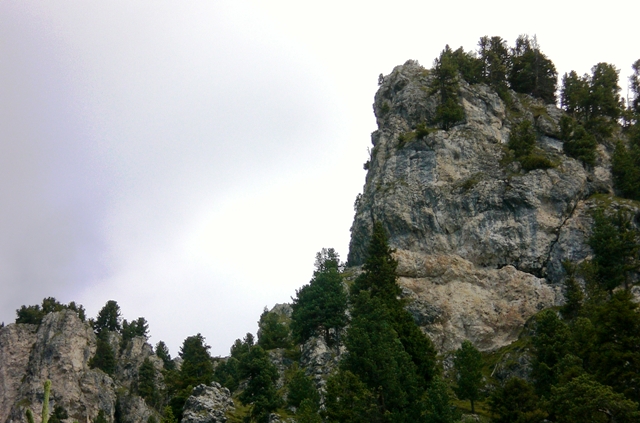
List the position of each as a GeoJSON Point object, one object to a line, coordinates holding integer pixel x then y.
{"type": "Point", "coordinates": [467, 362]}
{"type": "Point", "coordinates": [445, 85]}
{"type": "Point", "coordinates": [319, 308]}
{"type": "Point", "coordinates": [273, 331]}
{"type": "Point", "coordinates": [522, 141]}
{"type": "Point", "coordinates": [104, 358]}
{"type": "Point", "coordinates": [45, 405]}
{"type": "Point", "coordinates": [108, 318]}
{"type": "Point", "coordinates": [34, 314]}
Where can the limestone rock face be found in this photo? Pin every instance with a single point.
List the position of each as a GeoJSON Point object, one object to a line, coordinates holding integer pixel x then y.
{"type": "Point", "coordinates": [208, 404]}
{"type": "Point", "coordinates": [59, 349]}
{"type": "Point", "coordinates": [479, 241]}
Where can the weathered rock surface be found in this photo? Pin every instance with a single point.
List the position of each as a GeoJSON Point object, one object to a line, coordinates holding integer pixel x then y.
{"type": "Point", "coordinates": [208, 404]}
{"type": "Point", "coordinates": [59, 349]}
{"type": "Point", "coordinates": [479, 242]}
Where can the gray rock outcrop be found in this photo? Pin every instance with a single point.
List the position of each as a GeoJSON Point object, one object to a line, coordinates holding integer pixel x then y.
{"type": "Point", "coordinates": [208, 404]}
{"type": "Point", "coordinates": [479, 241]}
{"type": "Point", "coordinates": [59, 349]}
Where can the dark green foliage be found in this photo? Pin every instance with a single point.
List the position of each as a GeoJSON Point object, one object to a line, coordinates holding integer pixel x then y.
{"type": "Point", "coordinates": [227, 372]}
{"type": "Point", "coordinates": [522, 139]}
{"type": "Point", "coordinates": [348, 400]}
{"type": "Point", "coordinates": [376, 355]}
{"type": "Point", "coordinates": [29, 314]}
{"type": "Point", "coordinates": [379, 278]}
{"type": "Point", "coordinates": [261, 391]}
{"type": "Point", "coordinates": [467, 363]}
{"type": "Point", "coordinates": [273, 332]}
{"type": "Point", "coordinates": [469, 66]}
{"type": "Point", "coordinates": [574, 297]}
{"type": "Point", "coordinates": [34, 314]}
{"type": "Point", "coordinates": [593, 99]}
{"type": "Point", "coordinates": [516, 402]}
{"type": "Point", "coordinates": [59, 414]}
{"type": "Point", "coordinates": [625, 167]}
{"type": "Point", "coordinates": [634, 85]}
{"type": "Point", "coordinates": [147, 383]}
{"type": "Point", "coordinates": [550, 345]}
{"type": "Point", "coordinates": [302, 388]}
{"type": "Point", "coordinates": [575, 94]}
{"type": "Point", "coordinates": [616, 247]}
{"type": "Point", "coordinates": [319, 308]}
{"type": "Point", "coordinates": [495, 58]}
{"type": "Point", "coordinates": [163, 353]}
{"type": "Point", "coordinates": [308, 412]}
{"type": "Point", "coordinates": [577, 142]}
{"type": "Point", "coordinates": [197, 365]}
{"type": "Point", "coordinates": [152, 419]}
{"type": "Point", "coordinates": [108, 318]}
{"type": "Point", "coordinates": [104, 358]}
{"type": "Point", "coordinates": [438, 405]}
{"type": "Point", "coordinates": [616, 360]}
{"type": "Point", "coordinates": [604, 97]}
{"type": "Point", "coordinates": [138, 327]}
{"type": "Point", "coordinates": [531, 72]}
{"type": "Point", "coordinates": [197, 368]}
{"type": "Point", "coordinates": [101, 417]}
{"type": "Point", "coordinates": [167, 416]}
{"type": "Point", "coordinates": [445, 85]}
{"type": "Point", "coordinates": [585, 400]}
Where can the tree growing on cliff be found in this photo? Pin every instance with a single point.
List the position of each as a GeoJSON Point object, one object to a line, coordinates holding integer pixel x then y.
{"type": "Point", "coordinates": [108, 318]}
{"type": "Point", "coordinates": [104, 358]}
{"type": "Point", "coordinates": [445, 85]}
{"type": "Point", "coordinates": [616, 249]}
{"type": "Point", "coordinates": [494, 55]}
{"type": "Point", "coordinates": [320, 307]}
{"type": "Point", "coordinates": [531, 72]}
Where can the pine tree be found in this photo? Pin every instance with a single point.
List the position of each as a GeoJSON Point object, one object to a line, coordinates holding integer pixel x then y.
{"type": "Point", "coordinates": [467, 363]}
{"type": "Point", "coordinates": [379, 278]}
{"type": "Point", "coordinates": [108, 318]}
{"type": "Point", "coordinates": [261, 391]}
{"type": "Point", "coordinates": [272, 331]}
{"type": "Point", "coordinates": [495, 58]}
{"type": "Point", "coordinates": [147, 382]}
{"type": "Point", "coordinates": [320, 307]}
{"type": "Point", "coordinates": [531, 72]}
{"type": "Point", "coordinates": [162, 351]}
{"type": "Point", "coordinates": [445, 85]}
{"type": "Point", "coordinates": [104, 358]}
{"type": "Point", "coordinates": [516, 402]}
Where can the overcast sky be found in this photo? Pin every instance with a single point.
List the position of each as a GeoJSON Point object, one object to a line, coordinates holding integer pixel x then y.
{"type": "Point", "coordinates": [188, 159]}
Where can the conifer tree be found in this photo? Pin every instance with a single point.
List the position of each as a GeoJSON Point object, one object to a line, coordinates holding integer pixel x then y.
{"type": "Point", "coordinates": [467, 362]}
{"type": "Point", "coordinates": [379, 278]}
{"type": "Point", "coordinates": [320, 307]}
{"type": "Point", "coordinates": [531, 72]}
{"type": "Point", "coordinates": [261, 391]}
{"type": "Point", "coordinates": [445, 85]}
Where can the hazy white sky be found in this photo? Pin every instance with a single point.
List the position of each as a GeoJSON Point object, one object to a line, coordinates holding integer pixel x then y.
{"type": "Point", "coordinates": [188, 159]}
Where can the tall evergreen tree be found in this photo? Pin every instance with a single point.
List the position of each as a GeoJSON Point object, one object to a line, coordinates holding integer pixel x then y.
{"type": "Point", "coordinates": [197, 366]}
{"type": "Point", "coordinates": [531, 72]}
{"type": "Point", "coordinates": [320, 307]}
{"type": "Point", "coordinates": [261, 391]}
{"type": "Point", "coordinates": [616, 248]}
{"type": "Point", "coordinates": [108, 318]}
{"type": "Point", "coordinates": [467, 362]}
{"type": "Point", "coordinates": [496, 61]}
{"type": "Point", "coordinates": [379, 278]}
{"type": "Point", "coordinates": [445, 85]}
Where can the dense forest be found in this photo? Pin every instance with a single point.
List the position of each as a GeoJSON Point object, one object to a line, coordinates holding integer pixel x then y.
{"type": "Point", "coordinates": [582, 359]}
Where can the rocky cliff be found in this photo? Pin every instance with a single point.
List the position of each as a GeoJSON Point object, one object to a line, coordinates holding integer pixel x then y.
{"type": "Point", "coordinates": [59, 349]}
{"type": "Point", "coordinates": [480, 242]}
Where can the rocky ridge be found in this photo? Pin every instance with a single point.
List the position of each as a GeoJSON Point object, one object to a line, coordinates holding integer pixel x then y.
{"type": "Point", "coordinates": [480, 242]}
{"type": "Point", "coordinates": [59, 349]}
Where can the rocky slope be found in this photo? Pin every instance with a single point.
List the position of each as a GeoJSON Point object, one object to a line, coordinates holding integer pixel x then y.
{"type": "Point", "coordinates": [480, 242]}
{"type": "Point", "coordinates": [59, 349]}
